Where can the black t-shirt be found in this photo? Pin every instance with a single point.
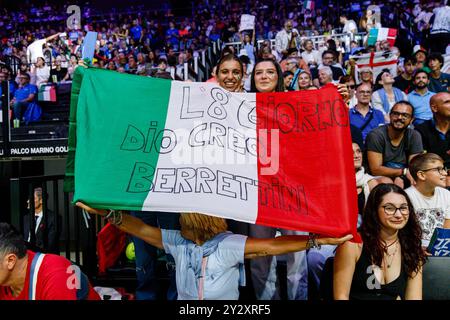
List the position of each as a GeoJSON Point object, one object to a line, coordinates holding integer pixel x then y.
{"type": "Point", "coordinates": [403, 84]}
{"type": "Point", "coordinates": [435, 142]}
{"type": "Point", "coordinates": [394, 157]}
{"type": "Point", "coordinates": [60, 74]}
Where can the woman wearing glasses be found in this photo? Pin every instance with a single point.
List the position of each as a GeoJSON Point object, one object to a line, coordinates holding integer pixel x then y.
{"type": "Point", "coordinates": [388, 264]}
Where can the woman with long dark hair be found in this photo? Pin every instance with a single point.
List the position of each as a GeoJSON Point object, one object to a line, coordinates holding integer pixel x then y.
{"type": "Point", "coordinates": [387, 265]}
{"type": "Point", "coordinates": [267, 77]}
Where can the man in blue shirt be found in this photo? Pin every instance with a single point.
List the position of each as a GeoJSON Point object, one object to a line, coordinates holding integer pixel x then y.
{"type": "Point", "coordinates": [172, 36]}
{"type": "Point", "coordinates": [24, 96]}
{"type": "Point", "coordinates": [363, 116]}
{"type": "Point", "coordinates": [420, 97]}
{"type": "Point", "coordinates": [136, 31]}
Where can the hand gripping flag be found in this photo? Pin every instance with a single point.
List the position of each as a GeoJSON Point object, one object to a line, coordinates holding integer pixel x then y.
{"type": "Point", "coordinates": [276, 159]}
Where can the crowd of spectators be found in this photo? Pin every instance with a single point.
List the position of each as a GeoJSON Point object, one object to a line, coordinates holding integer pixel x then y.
{"type": "Point", "coordinates": [396, 115]}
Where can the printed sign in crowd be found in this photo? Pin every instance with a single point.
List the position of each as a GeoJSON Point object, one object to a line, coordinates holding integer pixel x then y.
{"type": "Point", "coordinates": [281, 159]}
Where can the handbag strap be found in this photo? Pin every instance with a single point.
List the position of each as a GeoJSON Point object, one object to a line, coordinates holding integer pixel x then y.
{"type": "Point", "coordinates": [34, 271]}
{"type": "Point", "coordinates": [367, 121]}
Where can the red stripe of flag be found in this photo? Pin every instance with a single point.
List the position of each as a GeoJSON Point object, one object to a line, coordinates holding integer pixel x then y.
{"type": "Point", "coordinates": [314, 188]}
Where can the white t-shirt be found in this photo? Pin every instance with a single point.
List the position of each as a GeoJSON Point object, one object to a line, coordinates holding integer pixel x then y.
{"type": "Point", "coordinates": [430, 211]}
{"type": "Point", "coordinates": [42, 75]}
{"type": "Point", "coordinates": [34, 50]}
{"type": "Point", "coordinates": [350, 26]}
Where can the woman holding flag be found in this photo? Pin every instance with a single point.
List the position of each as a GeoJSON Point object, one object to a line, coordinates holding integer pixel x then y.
{"type": "Point", "coordinates": [267, 77]}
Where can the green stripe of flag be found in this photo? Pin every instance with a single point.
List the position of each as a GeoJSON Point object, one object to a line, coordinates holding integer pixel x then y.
{"type": "Point", "coordinates": [116, 116]}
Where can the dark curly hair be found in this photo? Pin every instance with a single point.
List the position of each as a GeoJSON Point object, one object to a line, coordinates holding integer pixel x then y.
{"type": "Point", "coordinates": [410, 236]}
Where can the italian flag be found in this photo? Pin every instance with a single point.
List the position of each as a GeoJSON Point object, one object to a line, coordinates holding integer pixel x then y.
{"type": "Point", "coordinates": [308, 5]}
{"type": "Point", "coordinates": [381, 34]}
{"type": "Point", "coordinates": [276, 159]}
{"type": "Point", "coordinates": [47, 93]}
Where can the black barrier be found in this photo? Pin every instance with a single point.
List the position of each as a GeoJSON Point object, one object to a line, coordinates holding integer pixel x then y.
{"type": "Point", "coordinates": [66, 229]}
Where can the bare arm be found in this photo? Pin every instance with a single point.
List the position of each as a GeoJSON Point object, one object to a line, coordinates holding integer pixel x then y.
{"type": "Point", "coordinates": [284, 244]}
{"type": "Point", "coordinates": [414, 287]}
{"type": "Point", "coordinates": [133, 226]}
{"type": "Point", "coordinates": [50, 38]}
{"type": "Point", "coordinates": [375, 160]}
{"type": "Point", "coordinates": [447, 224]}
{"type": "Point", "coordinates": [345, 260]}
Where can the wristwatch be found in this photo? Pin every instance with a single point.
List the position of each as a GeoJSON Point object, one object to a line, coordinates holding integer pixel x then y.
{"type": "Point", "coordinates": [405, 171]}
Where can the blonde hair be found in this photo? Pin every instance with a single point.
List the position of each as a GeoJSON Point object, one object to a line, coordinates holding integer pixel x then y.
{"type": "Point", "coordinates": [203, 227]}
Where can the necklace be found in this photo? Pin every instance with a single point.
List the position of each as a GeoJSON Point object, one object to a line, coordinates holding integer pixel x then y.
{"type": "Point", "coordinates": [389, 255]}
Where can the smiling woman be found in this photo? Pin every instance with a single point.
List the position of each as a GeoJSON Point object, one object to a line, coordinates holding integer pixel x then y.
{"type": "Point", "coordinates": [230, 73]}
{"type": "Point", "coordinates": [388, 265]}
{"type": "Point", "coordinates": [267, 77]}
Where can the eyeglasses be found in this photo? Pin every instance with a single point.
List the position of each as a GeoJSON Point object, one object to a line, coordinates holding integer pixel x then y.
{"type": "Point", "coordinates": [390, 209]}
{"type": "Point", "coordinates": [441, 170]}
{"type": "Point", "coordinates": [353, 86]}
{"type": "Point", "coordinates": [403, 114]}
{"type": "Point", "coordinates": [365, 92]}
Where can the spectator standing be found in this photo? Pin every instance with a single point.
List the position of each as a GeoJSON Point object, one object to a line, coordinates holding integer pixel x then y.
{"type": "Point", "coordinates": [286, 39]}
{"type": "Point", "coordinates": [440, 30]}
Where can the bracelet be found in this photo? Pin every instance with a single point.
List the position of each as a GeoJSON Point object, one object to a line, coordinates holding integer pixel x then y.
{"type": "Point", "coordinates": [405, 171]}
{"type": "Point", "coordinates": [114, 217]}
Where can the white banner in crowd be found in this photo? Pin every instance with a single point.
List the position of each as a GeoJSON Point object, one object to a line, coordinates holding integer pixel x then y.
{"type": "Point", "coordinates": [377, 61]}
{"type": "Point", "coordinates": [247, 22]}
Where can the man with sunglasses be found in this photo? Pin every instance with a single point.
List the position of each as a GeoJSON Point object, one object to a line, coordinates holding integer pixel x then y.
{"type": "Point", "coordinates": [391, 147]}
{"type": "Point", "coordinates": [429, 197]}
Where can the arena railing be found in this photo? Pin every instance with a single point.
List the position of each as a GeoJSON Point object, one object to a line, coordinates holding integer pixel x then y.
{"type": "Point", "coordinates": [342, 39]}
{"type": "Point", "coordinates": [47, 138]}
{"type": "Point", "coordinates": [200, 67]}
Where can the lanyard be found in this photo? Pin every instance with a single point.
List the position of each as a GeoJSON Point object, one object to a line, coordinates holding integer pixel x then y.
{"type": "Point", "coordinates": [34, 270]}
{"type": "Point", "coordinates": [202, 279]}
